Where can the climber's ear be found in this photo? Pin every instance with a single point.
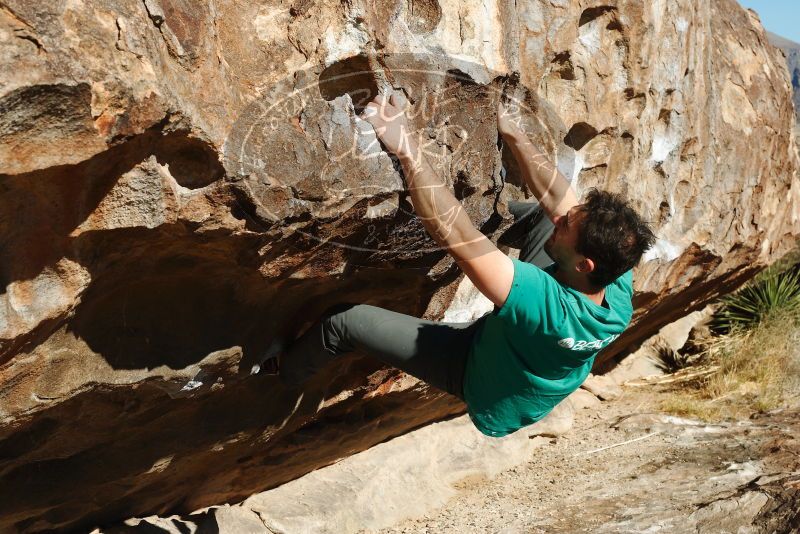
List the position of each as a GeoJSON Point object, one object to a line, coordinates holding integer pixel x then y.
{"type": "Point", "coordinates": [586, 265]}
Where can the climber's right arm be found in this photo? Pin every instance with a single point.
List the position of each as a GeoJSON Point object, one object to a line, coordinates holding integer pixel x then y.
{"type": "Point", "coordinates": [545, 181]}
{"type": "Point", "coordinates": [440, 212]}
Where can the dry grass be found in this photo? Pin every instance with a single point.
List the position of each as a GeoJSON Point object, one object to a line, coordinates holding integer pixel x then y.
{"type": "Point", "coordinates": [758, 370]}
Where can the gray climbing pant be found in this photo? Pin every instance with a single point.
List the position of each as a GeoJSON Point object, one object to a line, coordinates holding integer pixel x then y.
{"type": "Point", "coordinates": [433, 351]}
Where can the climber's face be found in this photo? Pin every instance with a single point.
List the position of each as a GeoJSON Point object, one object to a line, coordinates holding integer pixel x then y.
{"type": "Point", "coordinates": [562, 243]}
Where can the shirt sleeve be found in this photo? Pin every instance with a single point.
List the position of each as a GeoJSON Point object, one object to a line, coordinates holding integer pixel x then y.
{"type": "Point", "coordinates": [534, 301]}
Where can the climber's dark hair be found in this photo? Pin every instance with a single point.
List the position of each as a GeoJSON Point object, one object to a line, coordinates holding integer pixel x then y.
{"type": "Point", "coordinates": [612, 234]}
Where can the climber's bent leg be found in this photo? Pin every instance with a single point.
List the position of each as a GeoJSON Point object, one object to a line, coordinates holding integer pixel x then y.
{"type": "Point", "coordinates": [432, 351]}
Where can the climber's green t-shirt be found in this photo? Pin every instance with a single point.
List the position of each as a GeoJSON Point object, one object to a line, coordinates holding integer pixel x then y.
{"type": "Point", "coordinates": [538, 347]}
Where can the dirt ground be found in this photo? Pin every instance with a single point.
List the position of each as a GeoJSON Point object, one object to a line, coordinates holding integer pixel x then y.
{"type": "Point", "coordinates": [628, 467]}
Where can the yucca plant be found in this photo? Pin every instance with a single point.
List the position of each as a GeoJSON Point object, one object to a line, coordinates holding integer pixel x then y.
{"type": "Point", "coordinates": [771, 293]}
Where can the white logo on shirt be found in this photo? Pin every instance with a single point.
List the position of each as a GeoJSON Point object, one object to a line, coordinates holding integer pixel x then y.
{"type": "Point", "coordinates": [569, 343]}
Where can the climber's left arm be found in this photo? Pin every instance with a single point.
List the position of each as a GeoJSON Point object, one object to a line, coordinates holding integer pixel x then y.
{"type": "Point", "coordinates": [441, 213]}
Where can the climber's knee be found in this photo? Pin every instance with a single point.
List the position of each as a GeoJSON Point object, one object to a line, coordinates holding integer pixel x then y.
{"type": "Point", "coordinates": [335, 329]}
{"type": "Point", "coordinates": [337, 309]}
{"type": "Point", "coordinates": [344, 325]}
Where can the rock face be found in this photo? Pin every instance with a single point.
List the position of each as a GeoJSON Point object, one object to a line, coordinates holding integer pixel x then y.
{"type": "Point", "coordinates": [182, 181]}
{"type": "Point", "coordinates": [792, 52]}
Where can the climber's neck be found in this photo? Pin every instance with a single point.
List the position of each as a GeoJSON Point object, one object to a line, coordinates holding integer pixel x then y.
{"type": "Point", "coordinates": [578, 282]}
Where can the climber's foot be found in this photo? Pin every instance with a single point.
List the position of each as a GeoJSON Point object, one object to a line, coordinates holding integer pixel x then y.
{"type": "Point", "coordinates": [269, 363]}
{"type": "Point", "coordinates": [271, 366]}
{"type": "Point", "coordinates": [267, 367]}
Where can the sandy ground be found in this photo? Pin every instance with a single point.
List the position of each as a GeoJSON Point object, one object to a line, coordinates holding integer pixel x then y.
{"type": "Point", "coordinates": [662, 481]}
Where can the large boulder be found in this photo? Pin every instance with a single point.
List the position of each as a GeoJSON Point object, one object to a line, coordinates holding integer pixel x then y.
{"type": "Point", "coordinates": [792, 52]}
{"type": "Point", "coordinates": [181, 181]}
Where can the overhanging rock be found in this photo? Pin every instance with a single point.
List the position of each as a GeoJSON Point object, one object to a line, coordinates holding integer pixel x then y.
{"type": "Point", "coordinates": [180, 182]}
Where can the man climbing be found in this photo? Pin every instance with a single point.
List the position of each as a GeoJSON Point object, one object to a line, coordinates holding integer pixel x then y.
{"type": "Point", "coordinates": [567, 297]}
